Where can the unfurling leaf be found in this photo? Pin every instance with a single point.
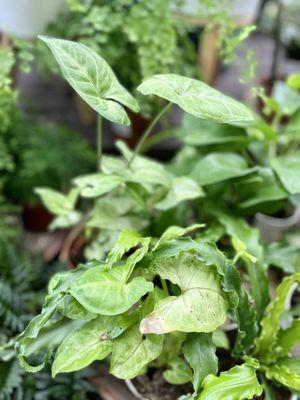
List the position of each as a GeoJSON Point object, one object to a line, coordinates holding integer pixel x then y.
{"type": "Point", "coordinates": [197, 98]}
{"type": "Point", "coordinates": [239, 383]}
{"type": "Point", "coordinates": [201, 305]}
{"type": "Point", "coordinates": [93, 79]}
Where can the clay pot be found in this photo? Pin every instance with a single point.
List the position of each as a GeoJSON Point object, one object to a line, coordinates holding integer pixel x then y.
{"type": "Point", "coordinates": [36, 218]}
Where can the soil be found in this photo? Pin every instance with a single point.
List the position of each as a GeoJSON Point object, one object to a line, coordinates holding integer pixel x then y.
{"type": "Point", "coordinates": [156, 388]}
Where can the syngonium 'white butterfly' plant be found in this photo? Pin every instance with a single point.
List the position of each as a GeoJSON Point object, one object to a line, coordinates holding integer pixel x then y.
{"type": "Point", "coordinates": [153, 296]}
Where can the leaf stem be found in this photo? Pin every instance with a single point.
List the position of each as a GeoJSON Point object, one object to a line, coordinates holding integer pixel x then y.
{"type": "Point", "coordinates": [147, 132]}
{"type": "Point", "coordinates": [164, 286]}
{"type": "Point", "coordinates": [99, 142]}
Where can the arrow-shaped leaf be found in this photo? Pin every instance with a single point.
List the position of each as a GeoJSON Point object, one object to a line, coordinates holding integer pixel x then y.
{"type": "Point", "coordinates": [93, 79]}
{"type": "Point", "coordinates": [197, 98]}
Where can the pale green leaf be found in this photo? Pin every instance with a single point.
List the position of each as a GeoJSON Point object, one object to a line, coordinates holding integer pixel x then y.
{"type": "Point", "coordinates": [197, 98]}
{"type": "Point", "coordinates": [107, 291]}
{"type": "Point", "coordinates": [132, 352]}
{"type": "Point", "coordinates": [182, 188]}
{"type": "Point", "coordinates": [239, 383]}
{"type": "Point", "coordinates": [95, 185]}
{"type": "Point", "coordinates": [218, 167]}
{"type": "Point", "coordinates": [178, 373]}
{"type": "Point", "coordinates": [174, 232]}
{"type": "Point", "coordinates": [270, 324]}
{"type": "Point", "coordinates": [56, 202]}
{"type": "Point", "coordinates": [220, 339]}
{"type": "Point", "coordinates": [70, 308]}
{"type": "Point", "coordinates": [287, 167]}
{"type": "Point", "coordinates": [200, 353]}
{"type": "Point", "coordinates": [67, 220]}
{"type": "Point", "coordinates": [286, 371]}
{"type": "Point", "coordinates": [93, 79]}
{"type": "Point", "coordinates": [89, 343]}
{"type": "Point", "coordinates": [127, 240]}
{"type": "Point", "coordinates": [201, 304]}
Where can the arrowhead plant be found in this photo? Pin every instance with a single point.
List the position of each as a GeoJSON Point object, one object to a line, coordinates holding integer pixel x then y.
{"type": "Point", "coordinates": [173, 262]}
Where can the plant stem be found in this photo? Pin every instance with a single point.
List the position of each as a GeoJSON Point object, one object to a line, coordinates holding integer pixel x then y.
{"type": "Point", "coordinates": [164, 286]}
{"type": "Point", "coordinates": [147, 132]}
{"type": "Point", "coordinates": [99, 142]}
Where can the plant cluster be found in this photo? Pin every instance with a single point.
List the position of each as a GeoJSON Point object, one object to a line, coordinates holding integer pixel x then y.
{"type": "Point", "coordinates": [155, 294]}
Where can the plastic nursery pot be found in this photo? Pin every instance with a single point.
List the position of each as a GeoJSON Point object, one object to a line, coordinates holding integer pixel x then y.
{"type": "Point", "coordinates": [36, 218]}
{"type": "Point", "coordinates": [27, 18]}
{"type": "Point", "coordinates": [272, 229]}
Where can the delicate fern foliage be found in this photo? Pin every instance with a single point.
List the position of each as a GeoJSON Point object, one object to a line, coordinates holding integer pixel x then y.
{"type": "Point", "coordinates": [11, 375]}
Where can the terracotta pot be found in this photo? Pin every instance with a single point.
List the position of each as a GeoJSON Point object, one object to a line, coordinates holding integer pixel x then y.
{"type": "Point", "coordinates": [36, 218]}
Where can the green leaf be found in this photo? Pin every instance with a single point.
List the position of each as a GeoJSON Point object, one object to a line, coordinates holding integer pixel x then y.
{"type": "Point", "coordinates": [95, 185]}
{"type": "Point", "coordinates": [286, 371]}
{"type": "Point", "coordinates": [70, 308]}
{"type": "Point", "coordinates": [201, 304]}
{"type": "Point", "coordinates": [218, 167]}
{"type": "Point", "coordinates": [220, 339]}
{"type": "Point", "coordinates": [143, 170]}
{"type": "Point", "coordinates": [132, 352]}
{"type": "Point", "coordinates": [182, 188]}
{"type": "Point", "coordinates": [89, 343]}
{"type": "Point", "coordinates": [197, 132]}
{"type": "Point", "coordinates": [238, 383]}
{"type": "Point", "coordinates": [270, 325]}
{"type": "Point", "coordinates": [56, 202]}
{"type": "Point", "coordinates": [127, 240]}
{"type": "Point", "coordinates": [200, 353]}
{"type": "Point", "coordinates": [63, 221]}
{"type": "Point", "coordinates": [257, 271]}
{"type": "Point", "coordinates": [288, 338]}
{"type": "Point", "coordinates": [287, 167]}
{"type": "Point", "coordinates": [107, 291]}
{"type": "Point", "coordinates": [261, 187]}
{"type": "Point", "coordinates": [197, 98]}
{"type": "Point", "coordinates": [32, 331]}
{"type": "Point", "coordinates": [92, 78]}
{"type": "Point", "coordinates": [209, 255]}
{"type": "Point", "coordinates": [282, 256]}
{"type": "Point", "coordinates": [293, 81]}
{"type": "Point", "coordinates": [178, 373]}
{"type": "Point", "coordinates": [175, 232]}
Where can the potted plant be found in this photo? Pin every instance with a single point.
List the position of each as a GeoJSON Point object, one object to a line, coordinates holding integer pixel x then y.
{"type": "Point", "coordinates": [155, 296]}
